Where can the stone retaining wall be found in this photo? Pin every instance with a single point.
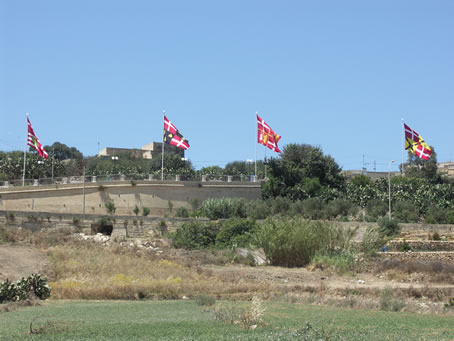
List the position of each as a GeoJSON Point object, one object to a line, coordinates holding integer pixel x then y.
{"type": "Point", "coordinates": [444, 256]}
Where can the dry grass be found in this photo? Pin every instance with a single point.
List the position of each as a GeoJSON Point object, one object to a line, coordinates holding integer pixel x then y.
{"type": "Point", "coordinates": [90, 271]}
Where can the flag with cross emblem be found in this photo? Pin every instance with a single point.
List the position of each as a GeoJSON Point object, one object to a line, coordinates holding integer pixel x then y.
{"type": "Point", "coordinates": [32, 141]}
{"type": "Point", "coordinates": [173, 136]}
{"type": "Point", "coordinates": [266, 136]}
{"type": "Point", "coordinates": [416, 144]}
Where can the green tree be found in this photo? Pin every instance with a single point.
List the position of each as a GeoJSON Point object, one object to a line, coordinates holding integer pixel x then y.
{"type": "Point", "coordinates": [62, 152]}
{"type": "Point", "coordinates": [425, 169]}
{"type": "Point", "coordinates": [302, 171]}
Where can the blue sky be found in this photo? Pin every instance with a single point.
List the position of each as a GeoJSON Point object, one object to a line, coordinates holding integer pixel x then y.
{"type": "Point", "coordinates": [338, 74]}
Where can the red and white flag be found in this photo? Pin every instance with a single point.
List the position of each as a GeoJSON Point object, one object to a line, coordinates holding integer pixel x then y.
{"type": "Point", "coordinates": [416, 144]}
{"type": "Point", "coordinates": [173, 136]}
{"type": "Point", "coordinates": [266, 136]}
{"type": "Point", "coordinates": [34, 142]}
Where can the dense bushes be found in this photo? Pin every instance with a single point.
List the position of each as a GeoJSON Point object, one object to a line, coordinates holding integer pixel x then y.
{"type": "Point", "coordinates": [22, 289]}
{"type": "Point", "coordinates": [232, 233]}
{"type": "Point", "coordinates": [294, 242]}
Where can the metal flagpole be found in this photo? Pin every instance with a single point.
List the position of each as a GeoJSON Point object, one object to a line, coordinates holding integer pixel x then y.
{"type": "Point", "coordinates": [25, 152]}
{"type": "Point", "coordinates": [403, 147]}
{"type": "Point", "coordinates": [256, 142]}
{"type": "Point", "coordinates": [162, 154]}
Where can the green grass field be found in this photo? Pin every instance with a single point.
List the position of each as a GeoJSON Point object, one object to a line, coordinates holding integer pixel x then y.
{"type": "Point", "coordinates": [184, 320]}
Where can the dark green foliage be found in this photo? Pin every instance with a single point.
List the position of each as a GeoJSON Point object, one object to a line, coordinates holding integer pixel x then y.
{"type": "Point", "coordinates": [294, 242]}
{"type": "Point", "coordinates": [405, 212]}
{"type": "Point", "coordinates": [103, 225]}
{"type": "Point", "coordinates": [313, 208]}
{"type": "Point", "coordinates": [195, 235]}
{"type": "Point", "coordinates": [340, 208]}
{"type": "Point", "coordinates": [376, 209]}
{"type": "Point", "coordinates": [404, 246]}
{"type": "Point", "coordinates": [182, 212]}
{"type": "Point", "coordinates": [62, 152]}
{"type": "Point", "coordinates": [424, 169]}
{"type": "Point", "coordinates": [438, 215]}
{"type": "Point", "coordinates": [110, 207]}
{"type": "Point", "coordinates": [361, 180]}
{"type": "Point", "coordinates": [23, 288]}
{"type": "Point", "coordinates": [224, 208]}
{"type": "Point", "coordinates": [136, 210]}
{"type": "Point", "coordinates": [235, 232]}
{"type": "Point", "coordinates": [145, 211]}
{"type": "Point", "coordinates": [388, 227]}
{"type": "Point", "coordinates": [301, 172]}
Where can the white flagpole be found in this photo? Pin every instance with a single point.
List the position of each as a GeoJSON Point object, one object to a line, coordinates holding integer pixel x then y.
{"type": "Point", "coordinates": [264, 162]}
{"type": "Point", "coordinates": [25, 151]}
{"type": "Point", "coordinates": [162, 154]}
{"type": "Point", "coordinates": [255, 170]}
{"type": "Point", "coordinates": [403, 147]}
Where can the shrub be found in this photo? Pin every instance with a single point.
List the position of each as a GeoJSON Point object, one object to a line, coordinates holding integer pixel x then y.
{"type": "Point", "coordinates": [145, 211]}
{"type": "Point", "coordinates": [204, 300]}
{"type": "Point", "coordinates": [340, 208]}
{"type": "Point", "coordinates": [162, 227]}
{"type": "Point", "coordinates": [436, 215]}
{"type": "Point", "coordinates": [182, 212]}
{"type": "Point", "coordinates": [376, 209]}
{"type": "Point", "coordinates": [195, 235]}
{"type": "Point", "coordinates": [136, 210]}
{"type": "Point", "coordinates": [110, 207]}
{"type": "Point", "coordinates": [405, 212]}
{"type": "Point", "coordinates": [257, 209]}
{"type": "Point", "coordinates": [373, 240]}
{"type": "Point", "coordinates": [340, 260]}
{"type": "Point", "coordinates": [235, 232]}
{"type": "Point", "coordinates": [294, 242]}
{"type": "Point", "coordinates": [218, 208]}
{"type": "Point", "coordinates": [388, 227]}
{"type": "Point", "coordinates": [313, 208]}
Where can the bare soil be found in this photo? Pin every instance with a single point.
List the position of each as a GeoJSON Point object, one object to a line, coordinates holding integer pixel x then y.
{"type": "Point", "coordinates": [17, 261]}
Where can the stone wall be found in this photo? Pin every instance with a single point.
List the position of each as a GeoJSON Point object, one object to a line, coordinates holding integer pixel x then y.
{"type": "Point", "coordinates": [444, 256]}
{"type": "Point", "coordinates": [159, 197]}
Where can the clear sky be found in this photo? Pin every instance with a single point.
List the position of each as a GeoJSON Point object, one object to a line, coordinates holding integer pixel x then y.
{"type": "Point", "coordinates": [338, 74]}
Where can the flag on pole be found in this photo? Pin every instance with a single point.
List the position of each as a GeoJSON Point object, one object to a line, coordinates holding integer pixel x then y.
{"type": "Point", "coordinates": [34, 142]}
{"type": "Point", "coordinates": [416, 144]}
{"type": "Point", "coordinates": [266, 136]}
{"type": "Point", "coordinates": [173, 136]}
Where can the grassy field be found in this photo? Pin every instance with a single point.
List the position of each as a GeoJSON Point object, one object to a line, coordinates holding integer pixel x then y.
{"type": "Point", "coordinates": [185, 320]}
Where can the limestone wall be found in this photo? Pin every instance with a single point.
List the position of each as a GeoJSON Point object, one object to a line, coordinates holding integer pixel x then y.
{"type": "Point", "coordinates": [158, 196]}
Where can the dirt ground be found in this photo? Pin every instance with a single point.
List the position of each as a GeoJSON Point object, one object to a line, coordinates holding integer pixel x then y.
{"type": "Point", "coordinates": [17, 261]}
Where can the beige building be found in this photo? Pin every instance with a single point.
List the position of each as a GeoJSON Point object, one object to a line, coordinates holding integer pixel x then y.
{"type": "Point", "coordinates": [147, 151]}
{"type": "Point", "coordinates": [446, 168]}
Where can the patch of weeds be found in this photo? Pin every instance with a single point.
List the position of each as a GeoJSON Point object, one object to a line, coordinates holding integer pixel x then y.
{"type": "Point", "coordinates": [205, 300]}
{"type": "Point", "coordinates": [145, 211]}
{"type": "Point", "coordinates": [404, 246]}
{"type": "Point", "coordinates": [388, 303]}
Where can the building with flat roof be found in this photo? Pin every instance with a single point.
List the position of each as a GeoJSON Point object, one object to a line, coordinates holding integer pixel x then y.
{"type": "Point", "coordinates": [148, 151]}
{"type": "Point", "coordinates": [446, 168]}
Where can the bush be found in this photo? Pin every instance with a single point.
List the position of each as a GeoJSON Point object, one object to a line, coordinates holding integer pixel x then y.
{"type": "Point", "coordinates": [294, 242]}
{"type": "Point", "coordinates": [376, 209]}
{"type": "Point", "coordinates": [145, 211]}
{"type": "Point", "coordinates": [182, 212]}
{"type": "Point", "coordinates": [341, 260]}
{"type": "Point", "coordinates": [195, 235]}
{"type": "Point", "coordinates": [340, 208]}
{"type": "Point", "coordinates": [218, 208]}
{"type": "Point", "coordinates": [388, 227]}
{"type": "Point", "coordinates": [103, 225]}
{"type": "Point", "coordinates": [204, 300]}
{"type": "Point", "coordinates": [235, 232]}
{"type": "Point", "coordinates": [257, 209]}
{"type": "Point", "coordinates": [136, 210]}
{"type": "Point", "coordinates": [405, 212]}
{"type": "Point", "coordinates": [110, 207]}
{"type": "Point", "coordinates": [373, 240]}
{"type": "Point", "coordinates": [437, 215]}
{"type": "Point", "coordinates": [313, 208]}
